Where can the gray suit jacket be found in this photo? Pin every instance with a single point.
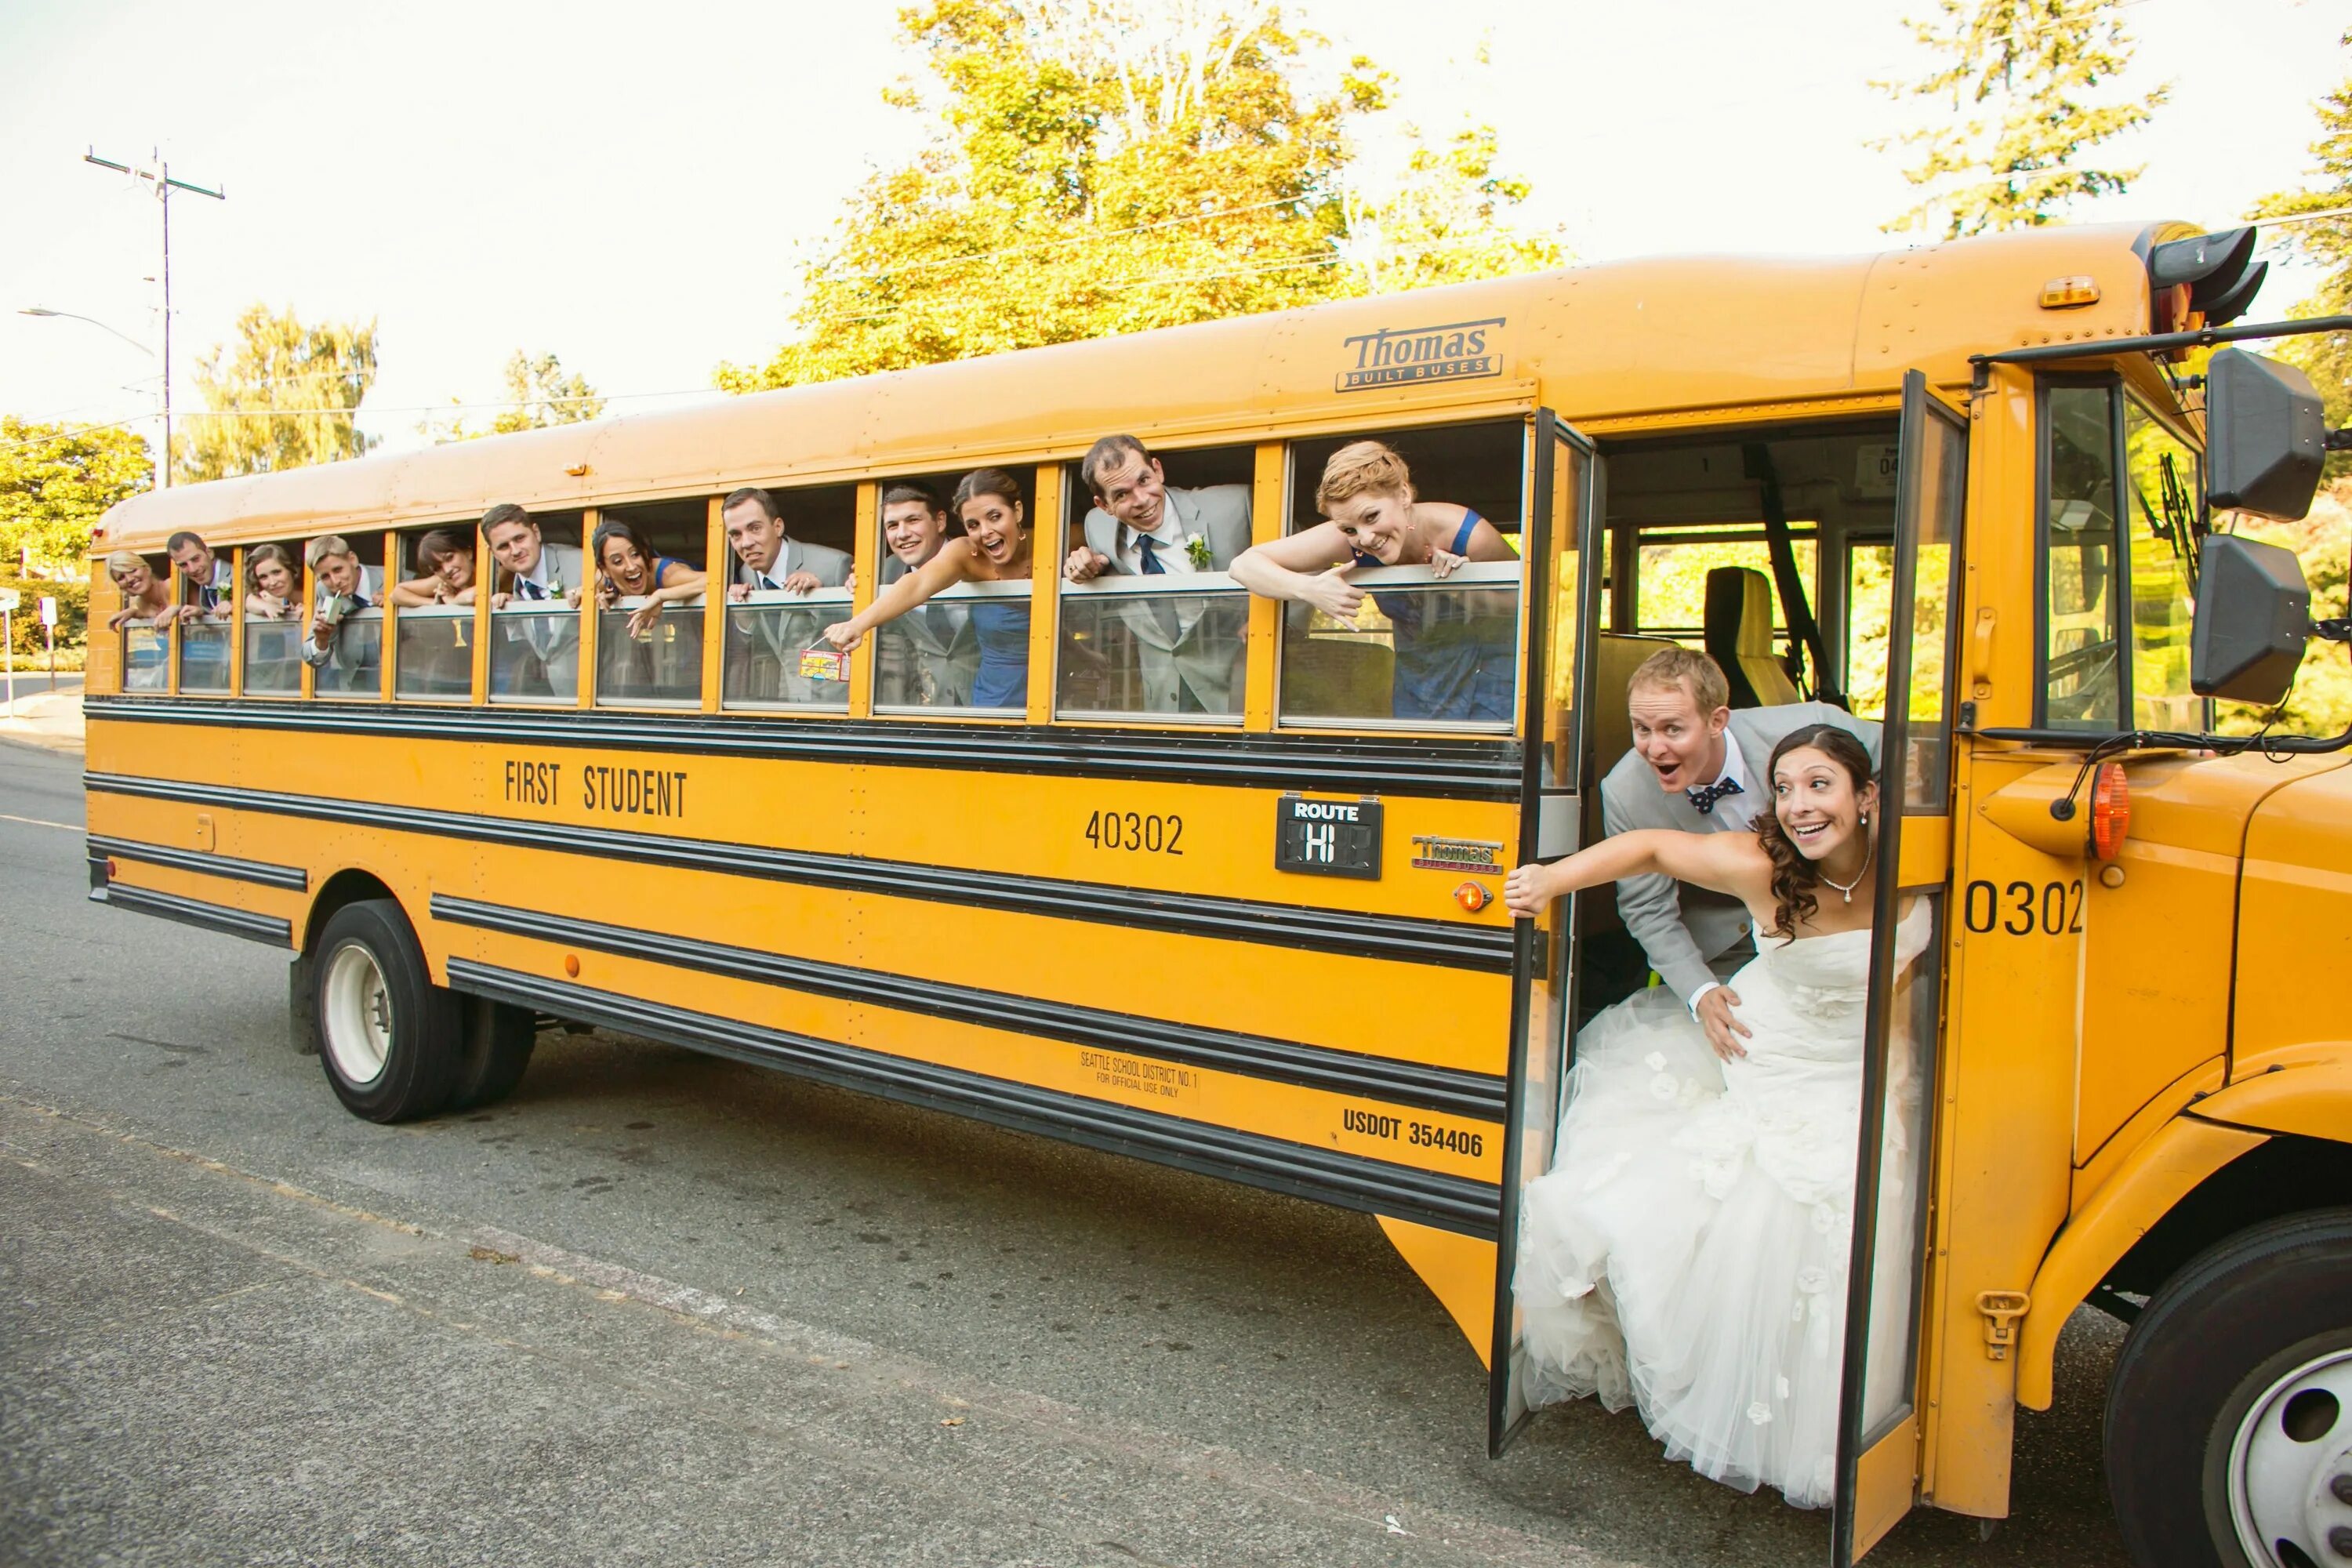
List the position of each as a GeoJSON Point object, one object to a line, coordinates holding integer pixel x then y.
{"type": "Point", "coordinates": [928, 657]}
{"type": "Point", "coordinates": [561, 560]}
{"type": "Point", "coordinates": [1693, 935]}
{"type": "Point", "coordinates": [1202, 651]}
{"type": "Point", "coordinates": [829, 567]}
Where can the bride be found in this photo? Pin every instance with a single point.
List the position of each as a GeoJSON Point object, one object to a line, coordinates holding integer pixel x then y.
{"type": "Point", "coordinates": [1687, 1252]}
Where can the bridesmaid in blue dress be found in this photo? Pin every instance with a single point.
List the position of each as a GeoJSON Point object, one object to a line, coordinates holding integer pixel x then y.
{"type": "Point", "coordinates": [995, 549]}
{"type": "Point", "coordinates": [1454, 659]}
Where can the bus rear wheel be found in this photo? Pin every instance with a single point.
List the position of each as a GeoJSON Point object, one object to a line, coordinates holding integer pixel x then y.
{"type": "Point", "coordinates": [2229, 1427]}
{"type": "Point", "coordinates": [390, 1039]}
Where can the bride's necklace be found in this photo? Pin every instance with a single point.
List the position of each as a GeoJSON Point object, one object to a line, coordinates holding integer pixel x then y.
{"type": "Point", "coordinates": [1845, 889]}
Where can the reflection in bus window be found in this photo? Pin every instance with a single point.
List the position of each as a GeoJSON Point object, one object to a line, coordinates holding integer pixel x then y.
{"type": "Point", "coordinates": [1135, 646]}
{"type": "Point", "coordinates": [2082, 674]}
{"type": "Point", "coordinates": [354, 661]}
{"type": "Point", "coordinates": [655, 666]}
{"type": "Point", "coordinates": [534, 654]}
{"type": "Point", "coordinates": [143, 656]}
{"type": "Point", "coordinates": [204, 649]}
{"type": "Point", "coordinates": [434, 654]}
{"type": "Point", "coordinates": [1420, 649]}
{"type": "Point", "coordinates": [2162, 493]}
{"type": "Point", "coordinates": [771, 637]}
{"type": "Point", "coordinates": [273, 657]}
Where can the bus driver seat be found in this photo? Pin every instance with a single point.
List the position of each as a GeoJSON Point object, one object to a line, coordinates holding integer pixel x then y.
{"type": "Point", "coordinates": [1740, 637]}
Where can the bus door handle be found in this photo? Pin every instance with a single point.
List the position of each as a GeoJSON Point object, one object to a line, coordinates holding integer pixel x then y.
{"type": "Point", "coordinates": [1981, 654]}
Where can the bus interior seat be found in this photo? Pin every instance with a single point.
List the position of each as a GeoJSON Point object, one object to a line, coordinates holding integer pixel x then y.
{"type": "Point", "coordinates": [1739, 636]}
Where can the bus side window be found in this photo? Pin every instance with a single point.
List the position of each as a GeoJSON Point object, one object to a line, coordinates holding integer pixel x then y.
{"type": "Point", "coordinates": [768, 629]}
{"type": "Point", "coordinates": [649, 650]}
{"type": "Point", "coordinates": [1420, 651]}
{"type": "Point", "coordinates": [2162, 494]}
{"type": "Point", "coordinates": [2081, 663]}
{"type": "Point", "coordinates": [274, 617]}
{"type": "Point", "coordinates": [1159, 630]}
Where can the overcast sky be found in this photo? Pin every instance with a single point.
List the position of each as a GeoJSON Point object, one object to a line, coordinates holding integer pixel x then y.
{"type": "Point", "coordinates": [626, 185]}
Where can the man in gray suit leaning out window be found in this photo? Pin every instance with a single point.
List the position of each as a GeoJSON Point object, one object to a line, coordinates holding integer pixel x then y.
{"type": "Point", "coordinates": [1190, 652]}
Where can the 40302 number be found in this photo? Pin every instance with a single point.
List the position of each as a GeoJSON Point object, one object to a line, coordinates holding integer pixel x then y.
{"type": "Point", "coordinates": [1135, 831]}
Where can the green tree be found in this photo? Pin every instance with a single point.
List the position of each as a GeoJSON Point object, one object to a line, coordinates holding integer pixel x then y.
{"type": "Point", "coordinates": [2323, 234]}
{"type": "Point", "coordinates": [56, 482]}
{"type": "Point", "coordinates": [284, 395]}
{"type": "Point", "coordinates": [538, 394]}
{"type": "Point", "coordinates": [2014, 111]}
{"type": "Point", "coordinates": [1104, 166]}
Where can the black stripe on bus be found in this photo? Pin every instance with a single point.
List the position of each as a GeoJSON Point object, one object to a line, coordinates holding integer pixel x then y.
{"type": "Point", "coordinates": [1346, 1181]}
{"type": "Point", "coordinates": [293, 878]}
{"type": "Point", "coordinates": [197, 913]}
{"type": "Point", "coordinates": [1448, 767]}
{"type": "Point", "coordinates": [1401, 938]}
{"type": "Point", "coordinates": [1383, 1079]}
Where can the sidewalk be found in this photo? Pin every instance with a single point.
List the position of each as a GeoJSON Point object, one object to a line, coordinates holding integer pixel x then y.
{"type": "Point", "coordinates": [50, 719]}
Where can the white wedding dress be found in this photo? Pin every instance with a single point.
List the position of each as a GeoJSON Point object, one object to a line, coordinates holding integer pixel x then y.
{"type": "Point", "coordinates": [1687, 1252]}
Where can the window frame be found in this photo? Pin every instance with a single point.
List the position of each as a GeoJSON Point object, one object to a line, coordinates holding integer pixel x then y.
{"type": "Point", "coordinates": [2112, 383]}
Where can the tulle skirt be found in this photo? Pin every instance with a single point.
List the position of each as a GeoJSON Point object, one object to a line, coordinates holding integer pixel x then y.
{"type": "Point", "coordinates": [1688, 1253]}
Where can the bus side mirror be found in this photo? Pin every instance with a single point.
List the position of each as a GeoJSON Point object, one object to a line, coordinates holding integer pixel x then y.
{"type": "Point", "coordinates": [2266, 436]}
{"type": "Point", "coordinates": [2253, 616]}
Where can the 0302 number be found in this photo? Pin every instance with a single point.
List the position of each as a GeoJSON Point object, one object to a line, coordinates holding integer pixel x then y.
{"type": "Point", "coordinates": [2020, 909]}
{"type": "Point", "coordinates": [1147, 832]}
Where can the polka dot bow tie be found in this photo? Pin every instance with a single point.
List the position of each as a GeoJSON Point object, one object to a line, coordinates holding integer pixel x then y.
{"type": "Point", "coordinates": [1704, 797]}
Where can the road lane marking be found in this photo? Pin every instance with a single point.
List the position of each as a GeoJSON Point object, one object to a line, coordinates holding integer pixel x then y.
{"type": "Point", "coordinates": [40, 822]}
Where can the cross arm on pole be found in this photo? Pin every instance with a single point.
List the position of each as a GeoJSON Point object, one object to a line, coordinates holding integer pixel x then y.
{"type": "Point", "coordinates": [91, 157]}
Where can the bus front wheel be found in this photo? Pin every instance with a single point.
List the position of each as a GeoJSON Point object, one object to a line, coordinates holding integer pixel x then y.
{"type": "Point", "coordinates": [2228, 1428]}
{"type": "Point", "coordinates": [391, 1040]}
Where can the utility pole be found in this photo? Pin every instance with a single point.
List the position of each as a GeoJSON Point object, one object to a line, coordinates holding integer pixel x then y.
{"type": "Point", "coordinates": [159, 173]}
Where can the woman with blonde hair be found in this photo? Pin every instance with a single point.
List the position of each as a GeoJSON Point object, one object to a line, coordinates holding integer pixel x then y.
{"type": "Point", "coordinates": [273, 582]}
{"type": "Point", "coordinates": [145, 596]}
{"type": "Point", "coordinates": [1450, 664]}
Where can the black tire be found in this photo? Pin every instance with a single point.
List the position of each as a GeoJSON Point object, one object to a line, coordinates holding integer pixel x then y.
{"type": "Point", "coordinates": [497, 1041]}
{"type": "Point", "coordinates": [2216, 1338]}
{"type": "Point", "coordinates": [390, 1039]}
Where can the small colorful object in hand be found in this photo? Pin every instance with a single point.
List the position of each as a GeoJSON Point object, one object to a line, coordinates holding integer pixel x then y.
{"type": "Point", "coordinates": [823, 664]}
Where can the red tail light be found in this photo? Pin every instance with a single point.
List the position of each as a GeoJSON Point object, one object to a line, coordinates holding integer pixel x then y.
{"type": "Point", "coordinates": [2110, 810]}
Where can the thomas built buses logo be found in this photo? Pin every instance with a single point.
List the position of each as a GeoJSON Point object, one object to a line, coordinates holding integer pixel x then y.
{"type": "Point", "coordinates": [1397, 356]}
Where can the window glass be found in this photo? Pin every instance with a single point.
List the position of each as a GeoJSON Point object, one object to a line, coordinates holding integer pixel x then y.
{"type": "Point", "coordinates": [1869, 605]}
{"type": "Point", "coordinates": [1671, 580]}
{"type": "Point", "coordinates": [775, 654]}
{"type": "Point", "coordinates": [204, 649]}
{"type": "Point", "coordinates": [143, 655]}
{"type": "Point", "coordinates": [2162, 492]}
{"type": "Point", "coordinates": [274, 619]}
{"type": "Point", "coordinates": [2081, 637]}
{"type": "Point", "coordinates": [1938, 475]}
{"type": "Point", "coordinates": [1420, 649]}
{"type": "Point", "coordinates": [648, 643]}
{"type": "Point", "coordinates": [928, 659]}
{"type": "Point", "coordinates": [1160, 629]}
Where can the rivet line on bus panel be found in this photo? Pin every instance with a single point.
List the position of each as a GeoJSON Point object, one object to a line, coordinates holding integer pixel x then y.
{"type": "Point", "coordinates": [1400, 938]}
{"type": "Point", "coordinates": [1346, 1181]}
{"type": "Point", "coordinates": [1383, 1079]}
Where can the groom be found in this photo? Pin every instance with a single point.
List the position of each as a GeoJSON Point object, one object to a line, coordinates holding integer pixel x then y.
{"type": "Point", "coordinates": [1700, 767]}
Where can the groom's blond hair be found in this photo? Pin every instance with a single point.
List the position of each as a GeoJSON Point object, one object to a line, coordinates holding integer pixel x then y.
{"type": "Point", "coordinates": [1684, 668]}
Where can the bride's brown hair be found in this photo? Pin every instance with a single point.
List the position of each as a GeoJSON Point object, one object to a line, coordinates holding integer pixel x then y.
{"type": "Point", "coordinates": [1794, 878]}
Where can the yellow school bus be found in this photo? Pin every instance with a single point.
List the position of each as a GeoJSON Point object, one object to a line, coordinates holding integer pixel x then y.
{"type": "Point", "coordinates": [1252, 928]}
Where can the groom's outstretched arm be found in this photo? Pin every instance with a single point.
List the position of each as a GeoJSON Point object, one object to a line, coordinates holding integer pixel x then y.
{"type": "Point", "coordinates": [1652, 910]}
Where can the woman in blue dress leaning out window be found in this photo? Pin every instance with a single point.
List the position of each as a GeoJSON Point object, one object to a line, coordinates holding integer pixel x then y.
{"type": "Point", "coordinates": [1454, 662]}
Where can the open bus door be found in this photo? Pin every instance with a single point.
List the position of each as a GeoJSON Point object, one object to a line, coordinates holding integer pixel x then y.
{"type": "Point", "coordinates": [1563, 605]}
{"type": "Point", "coordinates": [1879, 1433]}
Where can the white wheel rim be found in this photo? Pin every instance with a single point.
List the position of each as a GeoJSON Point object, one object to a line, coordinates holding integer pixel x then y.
{"type": "Point", "coordinates": [357, 1017]}
{"type": "Point", "coordinates": [2291, 1466]}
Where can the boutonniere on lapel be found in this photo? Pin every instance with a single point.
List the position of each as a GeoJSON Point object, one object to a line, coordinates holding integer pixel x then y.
{"type": "Point", "coordinates": [1196, 550]}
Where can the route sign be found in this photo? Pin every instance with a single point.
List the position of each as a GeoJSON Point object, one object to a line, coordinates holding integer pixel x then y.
{"type": "Point", "coordinates": [10, 598]}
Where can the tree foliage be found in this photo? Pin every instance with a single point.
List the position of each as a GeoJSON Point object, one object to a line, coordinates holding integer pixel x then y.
{"type": "Point", "coordinates": [283, 395]}
{"type": "Point", "coordinates": [2020, 80]}
{"type": "Point", "coordinates": [539, 395]}
{"type": "Point", "coordinates": [56, 482]}
{"type": "Point", "coordinates": [1104, 166]}
{"type": "Point", "coordinates": [2326, 358]}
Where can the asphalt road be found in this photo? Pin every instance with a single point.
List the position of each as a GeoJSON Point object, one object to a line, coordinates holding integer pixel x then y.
{"type": "Point", "coordinates": [661, 1309]}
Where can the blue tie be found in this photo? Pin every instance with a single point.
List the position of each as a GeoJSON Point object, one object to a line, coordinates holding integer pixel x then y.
{"type": "Point", "coordinates": [1151, 567]}
{"type": "Point", "coordinates": [1704, 797]}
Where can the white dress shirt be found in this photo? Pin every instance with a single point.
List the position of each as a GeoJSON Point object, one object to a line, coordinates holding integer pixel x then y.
{"type": "Point", "coordinates": [1731, 812]}
{"type": "Point", "coordinates": [1171, 545]}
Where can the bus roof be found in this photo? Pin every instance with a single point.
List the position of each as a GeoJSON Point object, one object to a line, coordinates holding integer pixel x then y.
{"type": "Point", "coordinates": [1601, 343]}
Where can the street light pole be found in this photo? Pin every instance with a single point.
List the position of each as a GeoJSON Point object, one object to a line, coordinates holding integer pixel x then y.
{"type": "Point", "coordinates": [161, 176]}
